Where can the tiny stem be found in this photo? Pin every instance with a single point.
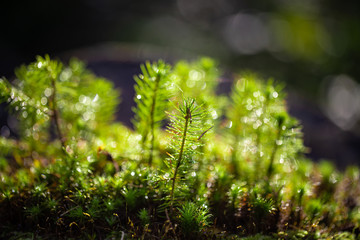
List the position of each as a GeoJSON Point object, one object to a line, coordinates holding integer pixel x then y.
{"type": "Point", "coordinates": [234, 160]}
{"type": "Point", "coordinates": [187, 117]}
{"type": "Point", "coordinates": [55, 115]}
{"type": "Point", "coordinates": [152, 121]}
{"type": "Point", "coordinates": [258, 132]}
{"type": "Point", "coordinates": [272, 158]}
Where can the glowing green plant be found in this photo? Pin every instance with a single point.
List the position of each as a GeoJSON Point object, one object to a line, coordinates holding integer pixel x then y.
{"type": "Point", "coordinates": [151, 94]}
{"type": "Point", "coordinates": [260, 128]}
{"type": "Point", "coordinates": [186, 130]}
{"type": "Point", "coordinates": [69, 98]}
{"type": "Point", "coordinates": [193, 219]}
{"type": "Point", "coordinates": [199, 80]}
{"type": "Point", "coordinates": [72, 173]}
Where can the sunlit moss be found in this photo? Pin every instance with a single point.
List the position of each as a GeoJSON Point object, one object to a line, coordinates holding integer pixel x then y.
{"type": "Point", "coordinates": [236, 171]}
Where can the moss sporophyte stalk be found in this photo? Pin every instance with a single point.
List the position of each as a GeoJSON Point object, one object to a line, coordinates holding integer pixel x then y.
{"type": "Point", "coordinates": [195, 164]}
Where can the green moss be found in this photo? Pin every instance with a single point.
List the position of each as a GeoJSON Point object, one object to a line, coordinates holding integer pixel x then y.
{"type": "Point", "coordinates": [204, 166]}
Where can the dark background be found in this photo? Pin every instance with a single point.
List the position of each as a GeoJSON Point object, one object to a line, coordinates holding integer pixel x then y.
{"type": "Point", "coordinates": [312, 45]}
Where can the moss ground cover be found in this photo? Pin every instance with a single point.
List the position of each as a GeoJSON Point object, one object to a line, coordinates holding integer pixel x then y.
{"type": "Point", "coordinates": [196, 165]}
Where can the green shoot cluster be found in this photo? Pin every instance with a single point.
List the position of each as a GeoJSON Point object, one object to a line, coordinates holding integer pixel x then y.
{"type": "Point", "coordinates": [196, 166]}
{"type": "Point", "coordinates": [151, 100]}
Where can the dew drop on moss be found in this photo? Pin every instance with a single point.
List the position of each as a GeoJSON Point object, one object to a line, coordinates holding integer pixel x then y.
{"type": "Point", "coordinates": [43, 100]}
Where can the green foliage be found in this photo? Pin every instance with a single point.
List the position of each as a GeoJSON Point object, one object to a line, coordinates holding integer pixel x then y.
{"type": "Point", "coordinates": [144, 217]}
{"type": "Point", "coordinates": [151, 94]}
{"type": "Point", "coordinates": [199, 80]}
{"type": "Point", "coordinates": [259, 123]}
{"type": "Point", "coordinates": [186, 129]}
{"type": "Point", "coordinates": [223, 167]}
{"type": "Point", "coordinates": [71, 99]}
{"type": "Point", "coordinates": [193, 219]}
{"type": "Point", "coordinates": [130, 197]}
{"type": "Point", "coordinates": [262, 208]}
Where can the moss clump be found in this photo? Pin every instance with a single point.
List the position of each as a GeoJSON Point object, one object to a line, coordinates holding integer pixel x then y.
{"type": "Point", "coordinates": [197, 165]}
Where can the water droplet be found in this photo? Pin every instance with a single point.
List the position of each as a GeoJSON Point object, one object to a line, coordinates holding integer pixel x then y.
{"type": "Point", "coordinates": [195, 75]}
{"type": "Point", "coordinates": [138, 96]}
{"type": "Point", "coordinates": [48, 92]}
{"type": "Point", "coordinates": [245, 119]}
{"type": "Point", "coordinates": [258, 112]}
{"type": "Point", "coordinates": [113, 144]}
{"type": "Point", "coordinates": [82, 99]}
{"type": "Point", "coordinates": [257, 124]}
{"type": "Point", "coordinates": [275, 94]}
{"type": "Point", "coordinates": [86, 116]}
{"type": "Point", "coordinates": [279, 142]}
{"type": "Point", "coordinates": [35, 136]}
{"type": "Point", "coordinates": [190, 83]}
{"type": "Point", "coordinates": [39, 65]}
{"type": "Point", "coordinates": [68, 149]}
{"type": "Point", "coordinates": [132, 173]}
{"type": "Point", "coordinates": [43, 100]}
{"type": "Point", "coordinates": [65, 75]}
{"type": "Point", "coordinates": [35, 127]}
{"type": "Point", "coordinates": [78, 107]}
{"type": "Point", "coordinates": [203, 86]}
{"type": "Point", "coordinates": [333, 178]}
{"type": "Point", "coordinates": [214, 114]}
{"type": "Point", "coordinates": [24, 114]}
{"type": "Point", "coordinates": [96, 98]}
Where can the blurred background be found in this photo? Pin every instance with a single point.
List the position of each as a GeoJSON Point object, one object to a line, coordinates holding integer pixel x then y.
{"type": "Point", "coordinates": [311, 45]}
